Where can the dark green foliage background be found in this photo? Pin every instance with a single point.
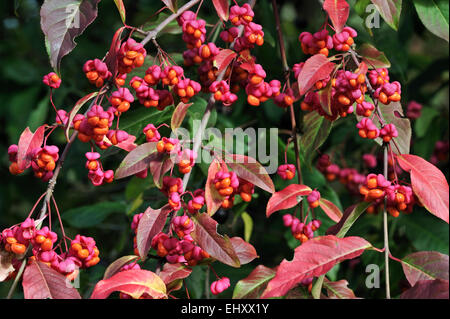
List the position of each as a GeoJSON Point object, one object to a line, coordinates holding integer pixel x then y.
{"type": "Point", "coordinates": [419, 61]}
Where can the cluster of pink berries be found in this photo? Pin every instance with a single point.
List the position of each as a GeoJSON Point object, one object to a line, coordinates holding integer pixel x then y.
{"type": "Point", "coordinates": [96, 174]}
{"type": "Point", "coordinates": [96, 72]}
{"type": "Point", "coordinates": [220, 285]}
{"type": "Point", "coordinates": [228, 184]}
{"type": "Point", "coordinates": [400, 198]}
{"type": "Point", "coordinates": [321, 42]}
{"type": "Point", "coordinates": [83, 252]}
{"type": "Point", "coordinates": [299, 230]}
{"type": "Point", "coordinates": [43, 161]}
{"type": "Point", "coordinates": [286, 171]}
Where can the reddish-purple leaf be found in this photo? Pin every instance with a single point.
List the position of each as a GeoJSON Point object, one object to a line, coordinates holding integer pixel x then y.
{"type": "Point", "coordinates": [137, 160]}
{"type": "Point", "coordinates": [151, 224]}
{"type": "Point", "coordinates": [42, 282]}
{"type": "Point", "coordinates": [6, 267]}
{"type": "Point", "coordinates": [75, 110]}
{"type": "Point", "coordinates": [428, 183]}
{"type": "Point", "coordinates": [252, 286]}
{"type": "Point", "coordinates": [132, 282]}
{"type": "Point", "coordinates": [316, 68]}
{"type": "Point", "coordinates": [29, 141]}
{"type": "Point", "coordinates": [172, 272]}
{"type": "Point", "coordinates": [338, 289]}
{"type": "Point", "coordinates": [62, 21]}
{"type": "Point", "coordinates": [245, 251]}
{"type": "Point", "coordinates": [217, 246]}
{"type": "Point", "coordinates": [373, 57]}
{"type": "Point", "coordinates": [325, 99]}
{"type": "Point", "coordinates": [390, 11]}
{"type": "Point", "coordinates": [160, 166]}
{"type": "Point", "coordinates": [251, 170]}
{"type": "Point", "coordinates": [222, 7]}
{"type": "Point", "coordinates": [116, 265]}
{"type": "Point", "coordinates": [127, 145]}
{"type": "Point", "coordinates": [287, 198]}
{"type": "Point", "coordinates": [338, 12]}
{"type": "Point", "coordinates": [111, 57]}
{"type": "Point", "coordinates": [178, 115]}
{"type": "Point", "coordinates": [312, 259]}
{"type": "Point", "coordinates": [331, 210]}
{"type": "Point", "coordinates": [173, 275]}
{"type": "Point", "coordinates": [350, 215]}
{"type": "Point", "coordinates": [171, 4]}
{"type": "Point", "coordinates": [212, 197]}
{"type": "Point", "coordinates": [425, 265]}
{"type": "Point", "coordinates": [223, 59]}
{"type": "Point", "coordinates": [427, 289]}
{"type": "Point", "coordinates": [121, 8]}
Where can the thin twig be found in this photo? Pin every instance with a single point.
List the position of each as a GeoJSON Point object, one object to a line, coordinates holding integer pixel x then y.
{"type": "Point", "coordinates": [286, 71]}
{"type": "Point", "coordinates": [153, 33]}
{"type": "Point", "coordinates": [385, 228]}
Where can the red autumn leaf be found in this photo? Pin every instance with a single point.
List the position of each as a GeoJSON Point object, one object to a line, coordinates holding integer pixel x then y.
{"type": "Point", "coordinates": [116, 265]}
{"type": "Point", "coordinates": [338, 289]}
{"type": "Point", "coordinates": [62, 21]}
{"type": "Point", "coordinates": [75, 110]}
{"type": "Point", "coordinates": [428, 183]}
{"type": "Point", "coordinates": [29, 141]}
{"type": "Point", "coordinates": [312, 259]}
{"type": "Point", "coordinates": [251, 170]}
{"type": "Point", "coordinates": [111, 57]}
{"type": "Point", "coordinates": [425, 265]}
{"type": "Point", "coordinates": [212, 197]}
{"type": "Point", "coordinates": [217, 246]}
{"type": "Point", "coordinates": [159, 166]}
{"type": "Point", "coordinates": [42, 282]}
{"type": "Point", "coordinates": [252, 286]}
{"type": "Point", "coordinates": [222, 7]}
{"type": "Point", "coordinates": [245, 251]}
{"type": "Point", "coordinates": [316, 68]}
{"type": "Point", "coordinates": [132, 282]}
{"type": "Point", "coordinates": [127, 145]}
{"type": "Point", "coordinates": [172, 272]}
{"type": "Point", "coordinates": [151, 224]}
{"type": "Point", "coordinates": [427, 289]}
{"type": "Point", "coordinates": [331, 210]}
{"type": "Point", "coordinates": [121, 8]}
{"type": "Point", "coordinates": [137, 160]}
{"type": "Point", "coordinates": [223, 59]}
{"type": "Point", "coordinates": [286, 198]}
{"type": "Point", "coordinates": [178, 115]}
{"type": "Point", "coordinates": [338, 12]}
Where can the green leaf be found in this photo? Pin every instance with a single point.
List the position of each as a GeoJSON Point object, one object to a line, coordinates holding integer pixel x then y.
{"type": "Point", "coordinates": [434, 15]}
{"type": "Point", "coordinates": [121, 8]}
{"type": "Point", "coordinates": [248, 225]}
{"type": "Point", "coordinates": [425, 231]}
{"type": "Point", "coordinates": [38, 116]}
{"type": "Point", "coordinates": [423, 123]}
{"type": "Point", "coordinates": [92, 215]}
{"type": "Point", "coordinates": [316, 130]}
{"type": "Point", "coordinates": [373, 57]}
{"type": "Point", "coordinates": [135, 121]}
